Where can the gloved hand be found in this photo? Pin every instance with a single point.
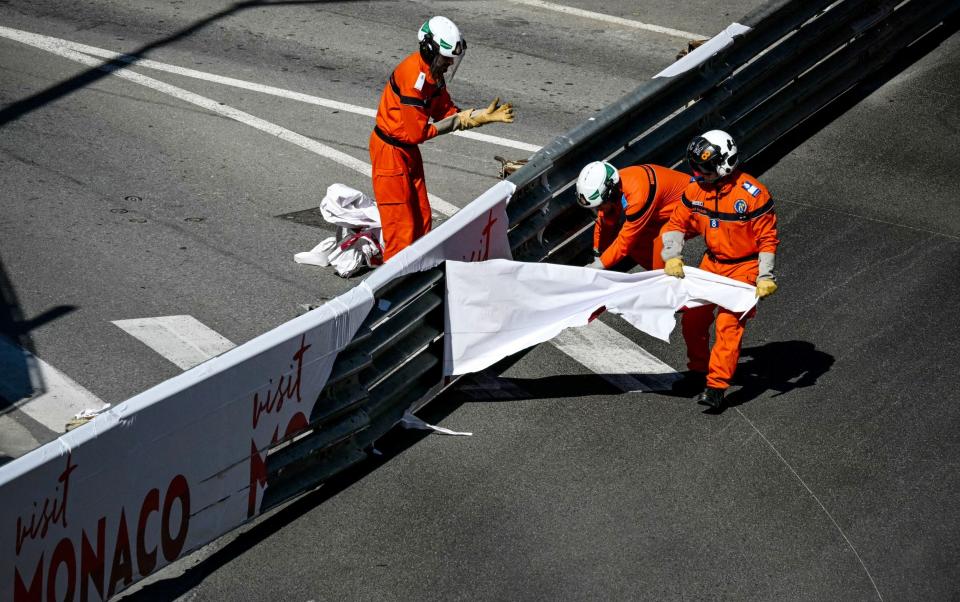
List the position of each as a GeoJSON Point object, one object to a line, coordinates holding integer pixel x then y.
{"type": "Point", "coordinates": [674, 267]}
{"type": "Point", "coordinates": [495, 113]}
{"type": "Point", "coordinates": [766, 287]}
{"type": "Point", "coordinates": [595, 264]}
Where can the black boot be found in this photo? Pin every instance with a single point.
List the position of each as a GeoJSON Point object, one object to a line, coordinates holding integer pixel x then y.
{"type": "Point", "coordinates": [691, 383]}
{"type": "Point", "coordinates": [712, 397]}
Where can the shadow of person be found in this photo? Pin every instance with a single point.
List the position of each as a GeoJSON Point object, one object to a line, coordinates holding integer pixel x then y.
{"type": "Point", "coordinates": [781, 366]}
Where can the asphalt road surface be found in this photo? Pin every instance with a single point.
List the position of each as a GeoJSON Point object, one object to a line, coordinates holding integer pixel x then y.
{"type": "Point", "coordinates": [832, 476]}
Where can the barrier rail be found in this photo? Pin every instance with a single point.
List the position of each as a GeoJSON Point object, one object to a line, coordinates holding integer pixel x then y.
{"type": "Point", "coordinates": [794, 61]}
{"type": "Point", "coordinates": [772, 80]}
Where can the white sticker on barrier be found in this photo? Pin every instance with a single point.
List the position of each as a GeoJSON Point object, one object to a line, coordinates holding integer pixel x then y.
{"type": "Point", "coordinates": [410, 421]}
{"type": "Point", "coordinates": [705, 51]}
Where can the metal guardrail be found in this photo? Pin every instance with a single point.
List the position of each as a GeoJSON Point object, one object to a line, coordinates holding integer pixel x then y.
{"type": "Point", "coordinates": [801, 64]}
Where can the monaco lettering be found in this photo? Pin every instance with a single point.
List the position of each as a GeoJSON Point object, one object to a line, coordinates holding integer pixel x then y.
{"type": "Point", "coordinates": [76, 565]}
{"type": "Point", "coordinates": [53, 511]}
{"type": "Point", "coordinates": [287, 387]}
{"type": "Point", "coordinates": [482, 253]}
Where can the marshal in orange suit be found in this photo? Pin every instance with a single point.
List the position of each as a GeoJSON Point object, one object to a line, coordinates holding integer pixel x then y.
{"type": "Point", "coordinates": [414, 107]}
{"type": "Point", "coordinates": [633, 206]}
{"type": "Point", "coordinates": [734, 214]}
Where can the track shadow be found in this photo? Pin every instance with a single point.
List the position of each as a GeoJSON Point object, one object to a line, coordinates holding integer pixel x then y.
{"type": "Point", "coordinates": [780, 367]}
{"type": "Point", "coordinates": [487, 387]}
{"type": "Point", "coordinates": [391, 445]}
{"type": "Point", "coordinates": [18, 375]}
{"type": "Point", "coordinates": [22, 107]}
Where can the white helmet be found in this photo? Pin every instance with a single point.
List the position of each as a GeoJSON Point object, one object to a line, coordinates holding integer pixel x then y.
{"type": "Point", "coordinates": [441, 46]}
{"type": "Point", "coordinates": [712, 155]}
{"type": "Point", "coordinates": [599, 182]}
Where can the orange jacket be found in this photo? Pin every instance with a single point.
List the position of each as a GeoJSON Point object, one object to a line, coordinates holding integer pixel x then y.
{"type": "Point", "coordinates": [410, 98]}
{"type": "Point", "coordinates": [736, 218]}
{"type": "Point", "coordinates": [650, 194]}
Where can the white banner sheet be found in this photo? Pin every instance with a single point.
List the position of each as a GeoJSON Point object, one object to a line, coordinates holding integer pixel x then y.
{"type": "Point", "coordinates": [497, 308]}
{"type": "Point", "coordinates": [167, 471]}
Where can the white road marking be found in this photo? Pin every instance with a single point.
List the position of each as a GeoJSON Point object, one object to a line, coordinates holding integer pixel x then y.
{"type": "Point", "coordinates": [530, 148]}
{"type": "Point", "coordinates": [274, 91]}
{"type": "Point", "coordinates": [579, 12]}
{"type": "Point", "coordinates": [15, 439]}
{"type": "Point", "coordinates": [59, 47]}
{"type": "Point", "coordinates": [60, 398]}
{"type": "Point", "coordinates": [183, 340]}
{"type": "Point", "coordinates": [816, 499]}
{"type": "Point", "coordinates": [615, 358]}
{"type": "Point", "coordinates": [605, 351]}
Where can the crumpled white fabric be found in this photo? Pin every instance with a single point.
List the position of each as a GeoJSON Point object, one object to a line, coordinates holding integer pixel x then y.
{"type": "Point", "coordinates": [359, 240]}
{"type": "Point", "coordinates": [499, 307]}
{"type": "Point", "coordinates": [347, 256]}
{"type": "Point", "coordinates": [349, 208]}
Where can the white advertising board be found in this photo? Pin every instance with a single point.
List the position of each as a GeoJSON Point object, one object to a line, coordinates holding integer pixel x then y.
{"type": "Point", "coordinates": [166, 471]}
{"type": "Point", "coordinates": [184, 462]}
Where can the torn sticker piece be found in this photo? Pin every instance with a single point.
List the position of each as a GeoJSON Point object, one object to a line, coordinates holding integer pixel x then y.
{"type": "Point", "coordinates": [409, 421]}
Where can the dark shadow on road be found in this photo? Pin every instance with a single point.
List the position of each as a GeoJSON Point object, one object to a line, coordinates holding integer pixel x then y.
{"type": "Point", "coordinates": [391, 445]}
{"type": "Point", "coordinates": [20, 108]}
{"type": "Point", "coordinates": [501, 388]}
{"type": "Point", "coordinates": [780, 367]}
{"type": "Point", "coordinates": [18, 376]}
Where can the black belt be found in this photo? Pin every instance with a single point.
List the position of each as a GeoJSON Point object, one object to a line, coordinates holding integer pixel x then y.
{"type": "Point", "coordinates": [390, 139]}
{"type": "Point", "coordinates": [733, 261]}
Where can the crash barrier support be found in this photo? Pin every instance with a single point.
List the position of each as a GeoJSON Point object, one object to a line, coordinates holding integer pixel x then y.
{"type": "Point", "coordinates": [191, 459]}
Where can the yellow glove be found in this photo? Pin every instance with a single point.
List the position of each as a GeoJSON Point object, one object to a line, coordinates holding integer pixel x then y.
{"type": "Point", "coordinates": [766, 287]}
{"type": "Point", "coordinates": [674, 267]}
{"type": "Point", "coordinates": [495, 113]}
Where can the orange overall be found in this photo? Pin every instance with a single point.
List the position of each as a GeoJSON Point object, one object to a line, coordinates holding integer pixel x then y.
{"type": "Point", "coordinates": [650, 194]}
{"type": "Point", "coordinates": [737, 221]}
{"type": "Point", "coordinates": [410, 98]}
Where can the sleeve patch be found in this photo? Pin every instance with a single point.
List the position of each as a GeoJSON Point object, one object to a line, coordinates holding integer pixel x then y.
{"type": "Point", "coordinates": [420, 79]}
{"type": "Point", "coordinates": [752, 189]}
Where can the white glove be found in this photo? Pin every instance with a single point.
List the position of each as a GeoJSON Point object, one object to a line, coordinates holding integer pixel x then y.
{"type": "Point", "coordinates": [595, 264]}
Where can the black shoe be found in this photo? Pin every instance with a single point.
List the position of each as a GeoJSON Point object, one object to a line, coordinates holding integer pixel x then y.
{"type": "Point", "coordinates": [712, 397]}
{"type": "Point", "coordinates": [691, 383]}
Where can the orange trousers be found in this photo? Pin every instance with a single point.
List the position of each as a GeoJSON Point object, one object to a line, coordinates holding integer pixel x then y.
{"type": "Point", "coordinates": [400, 191]}
{"type": "Point", "coordinates": [720, 362]}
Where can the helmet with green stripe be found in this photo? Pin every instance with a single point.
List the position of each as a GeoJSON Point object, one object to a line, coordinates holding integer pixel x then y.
{"type": "Point", "coordinates": [599, 182]}
{"type": "Point", "coordinates": [441, 46]}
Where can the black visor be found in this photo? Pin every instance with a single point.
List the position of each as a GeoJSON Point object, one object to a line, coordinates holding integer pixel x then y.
{"type": "Point", "coordinates": [703, 157]}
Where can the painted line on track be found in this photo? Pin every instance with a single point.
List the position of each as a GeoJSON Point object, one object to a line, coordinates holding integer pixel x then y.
{"type": "Point", "coordinates": [579, 12]}
{"type": "Point", "coordinates": [273, 91]}
{"type": "Point", "coordinates": [183, 340]}
{"type": "Point", "coordinates": [615, 358]}
{"type": "Point", "coordinates": [817, 500]}
{"type": "Point", "coordinates": [60, 48]}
